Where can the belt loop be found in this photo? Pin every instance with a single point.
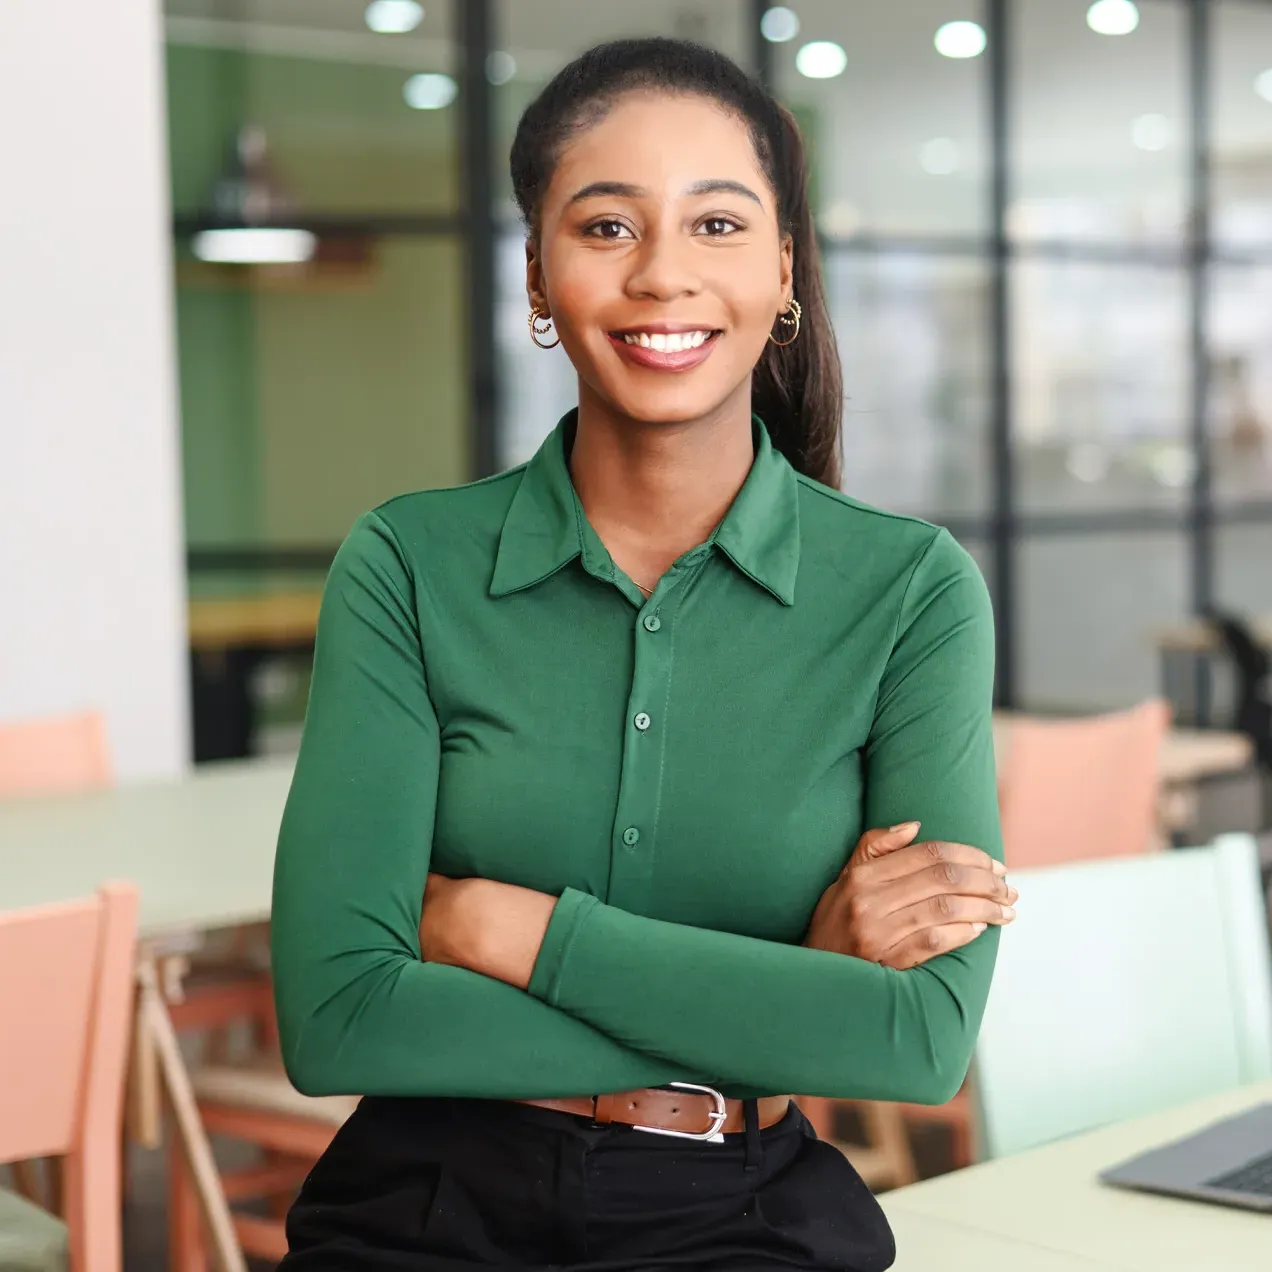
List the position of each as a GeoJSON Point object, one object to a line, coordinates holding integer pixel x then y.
{"type": "Point", "coordinates": [754, 1146]}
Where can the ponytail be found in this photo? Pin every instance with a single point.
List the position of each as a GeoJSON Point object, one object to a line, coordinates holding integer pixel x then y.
{"type": "Point", "coordinates": [797, 389]}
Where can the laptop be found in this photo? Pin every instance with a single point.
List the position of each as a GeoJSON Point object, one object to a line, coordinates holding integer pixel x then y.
{"type": "Point", "coordinates": [1229, 1163]}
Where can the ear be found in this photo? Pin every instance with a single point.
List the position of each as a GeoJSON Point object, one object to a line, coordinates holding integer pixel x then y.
{"type": "Point", "coordinates": [535, 290]}
{"type": "Point", "coordinates": [787, 268]}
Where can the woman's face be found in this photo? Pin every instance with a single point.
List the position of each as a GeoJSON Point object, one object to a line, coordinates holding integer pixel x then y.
{"type": "Point", "coordinates": [660, 259]}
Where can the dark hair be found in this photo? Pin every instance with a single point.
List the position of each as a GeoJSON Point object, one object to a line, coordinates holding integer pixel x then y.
{"type": "Point", "coordinates": [797, 390]}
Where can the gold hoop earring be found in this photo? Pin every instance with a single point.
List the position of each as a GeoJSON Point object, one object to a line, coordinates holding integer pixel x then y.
{"type": "Point", "coordinates": [791, 317]}
{"type": "Point", "coordinates": [540, 325]}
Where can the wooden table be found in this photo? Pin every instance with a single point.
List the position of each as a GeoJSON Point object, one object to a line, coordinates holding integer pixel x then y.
{"type": "Point", "coordinates": [1181, 651]}
{"type": "Point", "coordinates": [279, 620]}
{"type": "Point", "coordinates": [201, 850]}
{"type": "Point", "coordinates": [1046, 1209]}
{"type": "Point", "coordinates": [230, 637]}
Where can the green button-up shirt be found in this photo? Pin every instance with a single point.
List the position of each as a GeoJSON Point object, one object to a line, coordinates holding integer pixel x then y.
{"type": "Point", "coordinates": [493, 697]}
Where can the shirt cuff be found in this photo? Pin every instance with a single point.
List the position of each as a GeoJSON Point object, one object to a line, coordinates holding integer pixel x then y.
{"type": "Point", "coordinates": [568, 916]}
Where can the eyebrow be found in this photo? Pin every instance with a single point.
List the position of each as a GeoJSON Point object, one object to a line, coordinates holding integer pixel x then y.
{"type": "Point", "coordinates": [622, 190]}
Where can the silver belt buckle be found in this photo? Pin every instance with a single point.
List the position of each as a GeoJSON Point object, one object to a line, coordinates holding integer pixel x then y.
{"type": "Point", "coordinates": [713, 1135]}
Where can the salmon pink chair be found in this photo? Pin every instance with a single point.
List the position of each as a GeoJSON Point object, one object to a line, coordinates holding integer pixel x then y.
{"type": "Point", "coordinates": [1080, 788]}
{"type": "Point", "coordinates": [53, 755]}
{"type": "Point", "coordinates": [66, 1003]}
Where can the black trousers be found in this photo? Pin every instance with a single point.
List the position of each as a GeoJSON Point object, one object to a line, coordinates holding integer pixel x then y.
{"type": "Point", "coordinates": [440, 1185]}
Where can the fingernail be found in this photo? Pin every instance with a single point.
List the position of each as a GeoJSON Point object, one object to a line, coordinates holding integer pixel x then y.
{"type": "Point", "coordinates": [1013, 896]}
{"type": "Point", "coordinates": [892, 830]}
{"type": "Point", "coordinates": [999, 869]}
{"type": "Point", "coordinates": [1008, 912]}
{"type": "Point", "coordinates": [978, 928]}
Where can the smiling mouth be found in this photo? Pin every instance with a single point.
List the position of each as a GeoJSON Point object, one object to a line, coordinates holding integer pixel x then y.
{"type": "Point", "coordinates": [667, 341]}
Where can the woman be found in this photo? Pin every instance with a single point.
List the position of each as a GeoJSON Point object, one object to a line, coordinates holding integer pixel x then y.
{"type": "Point", "coordinates": [631, 705]}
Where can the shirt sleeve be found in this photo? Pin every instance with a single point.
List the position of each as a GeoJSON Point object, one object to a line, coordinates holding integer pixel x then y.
{"type": "Point", "coordinates": [358, 1011]}
{"type": "Point", "coordinates": [779, 1017]}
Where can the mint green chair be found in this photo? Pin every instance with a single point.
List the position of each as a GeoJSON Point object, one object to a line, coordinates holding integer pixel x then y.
{"type": "Point", "coordinates": [1127, 985]}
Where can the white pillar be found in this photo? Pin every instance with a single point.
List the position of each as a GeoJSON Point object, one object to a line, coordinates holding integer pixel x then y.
{"type": "Point", "coordinates": [92, 583]}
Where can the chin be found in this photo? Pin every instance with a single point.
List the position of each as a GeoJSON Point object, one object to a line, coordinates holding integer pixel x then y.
{"type": "Point", "coordinates": [674, 404]}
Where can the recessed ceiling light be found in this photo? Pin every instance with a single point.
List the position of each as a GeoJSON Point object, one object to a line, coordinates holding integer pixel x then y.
{"type": "Point", "coordinates": [823, 59]}
{"type": "Point", "coordinates": [1173, 466]}
{"type": "Point", "coordinates": [1263, 85]}
{"type": "Point", "coordinates": [430, 91]}
{"type": "Point", "coordinates": [1087, 462]}
{"type": "Point", "coordinates": [394, 17]}
{"type": "Point", "coordinates": [1113, 17]}
{"type": "Point", "coordinates": [1151, 132]}
{"type": "Point", "coordinates": [960, 39]}
{"type": "Point", "coordinates": [254, 246]}
{"type": "Point", "coordinates": [939, 156]}
{"type": "Point", "coordinates": [779, 24]}
{"type": "Point", "coordinates": [500, 66]}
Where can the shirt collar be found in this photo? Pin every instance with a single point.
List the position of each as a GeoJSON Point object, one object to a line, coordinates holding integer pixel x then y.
{"type": "Point", "coordinates": [545, 527]}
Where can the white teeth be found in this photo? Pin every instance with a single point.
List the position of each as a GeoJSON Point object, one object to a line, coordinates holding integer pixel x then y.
{"type": "Point", "coordinates": [668, 342]}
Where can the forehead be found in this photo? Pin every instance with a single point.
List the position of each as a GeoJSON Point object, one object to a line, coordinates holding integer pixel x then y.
{"type": "Point", "coordinates": [663, 142]}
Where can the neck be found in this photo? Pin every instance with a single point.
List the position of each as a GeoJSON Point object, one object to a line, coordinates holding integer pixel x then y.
{"type": "Point", "coordinates": [653, 491]}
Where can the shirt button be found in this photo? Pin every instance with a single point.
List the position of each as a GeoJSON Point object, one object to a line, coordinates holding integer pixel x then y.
{"type": "Point", "coordinates": [652, 622]}
{"type": "Point", "coordinates": [641, 721]}
{"type": "Point", "coordinates": [631, 836]}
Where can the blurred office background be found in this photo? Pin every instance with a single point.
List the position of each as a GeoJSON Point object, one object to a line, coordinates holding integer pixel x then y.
{"type": "Point", "coordinates": [1047, 229]}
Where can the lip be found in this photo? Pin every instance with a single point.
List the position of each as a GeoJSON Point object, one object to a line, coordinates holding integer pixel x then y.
{"type": "Point", "coordinates": [663, 359]}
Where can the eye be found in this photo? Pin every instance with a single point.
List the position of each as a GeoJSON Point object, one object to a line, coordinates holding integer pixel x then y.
{"type": "Point", "coordinates": [608, 229]}
{"type": "Point", "coordinates": [718, 227]}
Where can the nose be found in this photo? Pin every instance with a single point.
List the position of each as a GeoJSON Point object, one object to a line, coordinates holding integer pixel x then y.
{"type": "Point", "coordinates": [662, 268]}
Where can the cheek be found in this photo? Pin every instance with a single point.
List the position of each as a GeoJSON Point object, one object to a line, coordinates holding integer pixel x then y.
{"type": "Point", "coordinates": [578, 286]}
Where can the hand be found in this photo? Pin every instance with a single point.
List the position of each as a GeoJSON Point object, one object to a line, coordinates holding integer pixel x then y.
{"type": "Point", "coordinates": [901, 903]}
{"type": "Point", "coordinates": [488, 927]}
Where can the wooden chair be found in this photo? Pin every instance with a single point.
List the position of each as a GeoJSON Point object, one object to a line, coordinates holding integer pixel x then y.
{"type": "Point", "coordinates": [1135, 984]}
{"type": "Point", "coordinates": [60, 753]}
{"type": "Point", "coordinates": [1075, 789]}
{"type": "Point", "coordinates": [254, 1102]}
{"type": "Point", "coordinates": [66, 1000]}
{"type": "Point", "coordinates": [1069, 789]}
{"type": "Point", "coordinates": [885, 1160]}
{"type": "Point", "coordinates": [49, 756]}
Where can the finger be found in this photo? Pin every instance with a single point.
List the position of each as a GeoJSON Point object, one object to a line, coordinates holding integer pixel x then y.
{"type": "Point", "coordinates": [930, 943]}
{"type": "Point", "coordinates": [916, 857]}
{"type": "Point", "coordinates": [880, 842]}
{"type": "Point", "coordinates": [943, 909]}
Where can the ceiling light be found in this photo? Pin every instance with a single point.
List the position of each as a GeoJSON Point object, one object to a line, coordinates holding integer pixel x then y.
{"type": "Point", "coordinates": [939, 156]}
{"type": "Point", "coordinates": [1113, 17]}
{"type": "Point", "coordinates": [254, 246]}
{"type": "Point", "coordinates": [394, 17]}
{"type": "Point", "coordinates": [823, 59]}
{"type": "Point", "coordinates": [1151, 132]}
{"type": "Point", "coordinates": [430, 91]}
{"type": "Point", "coordinates": [960, 39]}
{"type": "Point", "coordinates": [779, 24]}
{"type": "Point", "coordinates": [1263, 85]}
{"type": "Point", "coordinates": [1173, 466]}
{"type": "Point", "coordinates": [500, 66]}
{"type": "Point", "coordinates": [1087, 462]}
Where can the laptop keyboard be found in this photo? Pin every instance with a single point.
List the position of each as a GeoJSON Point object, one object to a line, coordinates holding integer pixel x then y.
{"type": "Point", "coordinates": [1254, 1177]}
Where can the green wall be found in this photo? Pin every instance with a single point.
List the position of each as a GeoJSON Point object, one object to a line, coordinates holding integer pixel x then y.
{"type": "Point", "coordinates": [302, 407]}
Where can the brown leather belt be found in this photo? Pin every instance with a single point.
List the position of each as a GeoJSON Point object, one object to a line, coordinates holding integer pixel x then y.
{"type": "Point", "coordinates": [688, 1111]}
